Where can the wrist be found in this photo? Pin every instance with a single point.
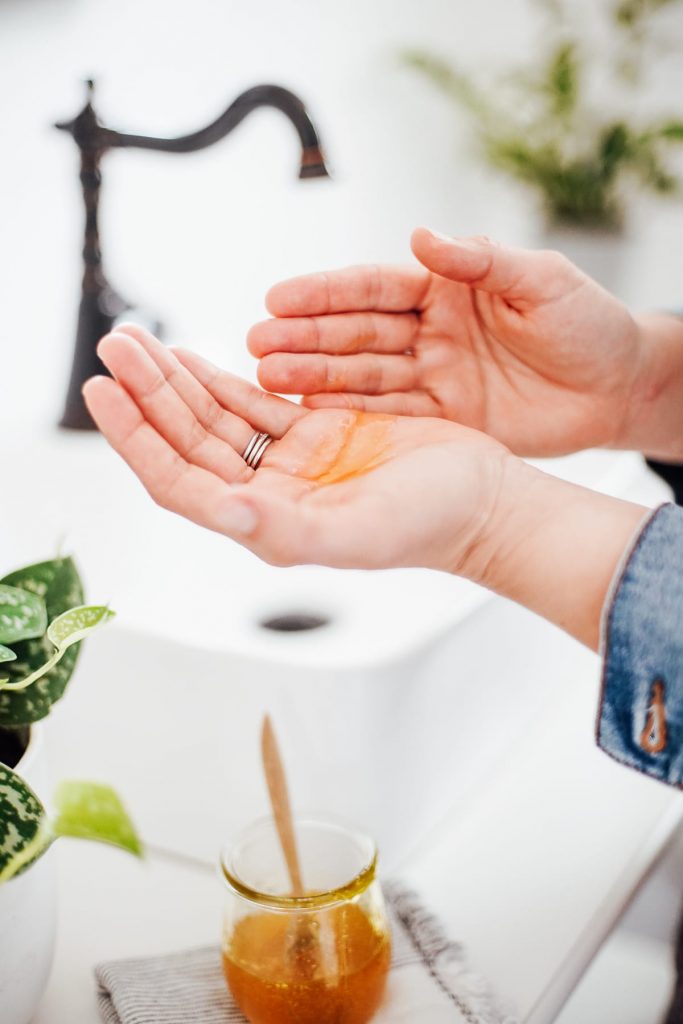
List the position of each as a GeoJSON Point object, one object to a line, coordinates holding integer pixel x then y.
{"type": "Point", "coordinates": [654, 424]}
{"type": "Point", "coordinates": [554, 547]}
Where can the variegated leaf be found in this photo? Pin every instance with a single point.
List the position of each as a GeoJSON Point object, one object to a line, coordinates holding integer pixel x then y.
{"type": "Point", "coordinates": [58, 583]}
{"type": "Point", "coordinates": [66, 630]}
{"type": "Point", "coordinates": [84, 810]}
{"type": "Point", "coordinates": [24, 832]}
{"type": "Point", "coordinates": [89, 810]}
{"type": "Point", "coordinates": [22, 614]}
{"type": "Point", "coordinates": [6, 654]}
{"type": "Point", "coordinates": [74, 625]}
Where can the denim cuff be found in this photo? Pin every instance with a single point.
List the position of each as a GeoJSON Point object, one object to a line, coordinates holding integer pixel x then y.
{"type": "Point", "coordinates": [640, 721]}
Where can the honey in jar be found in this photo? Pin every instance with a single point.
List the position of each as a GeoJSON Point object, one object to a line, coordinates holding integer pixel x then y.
{"type": "Point", "coordinates": [318, 959]}
{"type": "Point", "coordinates": [325, 968]}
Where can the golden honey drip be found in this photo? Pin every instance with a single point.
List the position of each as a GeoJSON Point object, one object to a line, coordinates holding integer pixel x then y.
{"type": "Point", "coordinates": [361, 445]}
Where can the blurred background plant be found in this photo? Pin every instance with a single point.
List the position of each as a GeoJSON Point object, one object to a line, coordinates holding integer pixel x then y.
{"type": "Point", "coordinates": [582, 148]}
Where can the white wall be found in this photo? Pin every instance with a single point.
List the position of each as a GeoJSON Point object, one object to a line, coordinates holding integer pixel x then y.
{"type": "Point", "coordinates": [197, 239]}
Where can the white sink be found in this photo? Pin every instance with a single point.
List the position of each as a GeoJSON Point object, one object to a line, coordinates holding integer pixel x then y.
{"type": "Point", "coordinates": [392, 745]}
{"type": "Point", "coordinates": [417, 691]}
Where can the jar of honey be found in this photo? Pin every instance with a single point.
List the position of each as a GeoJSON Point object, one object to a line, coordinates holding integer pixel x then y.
{"type": "Point", "coordinates": [317, 958]}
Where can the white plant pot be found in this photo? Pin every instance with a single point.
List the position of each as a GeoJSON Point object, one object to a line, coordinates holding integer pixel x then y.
{"type": "Point", "coordinates": [28, 914]}
{"type": "Point", "coordinates": [601, 254]}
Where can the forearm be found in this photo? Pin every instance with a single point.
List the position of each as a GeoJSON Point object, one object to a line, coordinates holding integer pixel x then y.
{"type": "Point", "coordinates": [554, 548]}
{"type": "Point", "coordinates": [655, 425]}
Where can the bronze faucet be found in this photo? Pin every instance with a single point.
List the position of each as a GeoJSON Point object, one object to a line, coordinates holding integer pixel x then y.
{"type": "Point", "coordinates": [100, 304]}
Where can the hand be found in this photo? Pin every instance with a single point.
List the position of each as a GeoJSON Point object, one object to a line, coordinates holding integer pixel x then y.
{"type": "Point", "coordinates": [519, 344]}
{"type": "Point", "coordinates": [335, 487]}
{"type": "Point", "coordinates": [349, 489]}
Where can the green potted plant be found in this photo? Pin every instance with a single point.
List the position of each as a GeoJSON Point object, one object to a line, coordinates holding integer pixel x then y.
{"type": "Point", "coordinates": [42, 622]}
{"type": "Point", "coordinates": [574, 141]}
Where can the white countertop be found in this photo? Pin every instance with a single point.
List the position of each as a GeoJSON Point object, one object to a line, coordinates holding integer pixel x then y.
{"type": "Point", "coordinates": [530, 875]}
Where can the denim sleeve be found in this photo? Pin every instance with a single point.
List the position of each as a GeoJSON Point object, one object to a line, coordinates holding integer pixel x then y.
{"type": "Point", "coordinates": [640, 721]}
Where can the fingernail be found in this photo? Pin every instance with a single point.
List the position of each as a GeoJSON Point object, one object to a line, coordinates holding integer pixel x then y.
{"type": "Point", "coordinates": [103, 343]}
{"type": "Point", "coordinates": [470, 242]}
{"type": "Point", "coordinates": [240, 519]}
{"type": "Point", "coordinates": [473, 242]}
{"type": "Point", "coordinates": [440, 235]}
{"type": "Point", "coordinates": [97, 376]}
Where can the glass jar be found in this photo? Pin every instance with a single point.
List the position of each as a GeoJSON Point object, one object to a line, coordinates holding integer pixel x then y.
{"type": "Point", "coordinates": [321, 958]}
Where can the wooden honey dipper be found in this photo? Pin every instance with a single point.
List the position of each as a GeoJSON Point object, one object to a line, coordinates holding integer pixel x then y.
{"type": "Point", "coordinates": [303, 947]}
{"type": "Point", "coordinates": [276, 780]}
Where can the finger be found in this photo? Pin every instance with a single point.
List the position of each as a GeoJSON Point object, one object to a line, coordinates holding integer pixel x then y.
{"type": "Point", "coordinates": [163, 408]}
{"type": "Point", "coordinates": [171, 481]}
{"type": "Point", "coordinates": [309, 374]}
{"type": "Point", "coordinates": [399, 403]}
{"type": "Point", "coordinates": [521, 276]}
{"type": "Point", "coordinates": [264, 412]}
{"type": "Point", "coordinates": [383, 288]}
{"type": "Point", "coordinates": [339, 334]}
{"type": "Point", "coordinates": [274, 525]}
{"type": "Point", "coordinates": [211, 415]}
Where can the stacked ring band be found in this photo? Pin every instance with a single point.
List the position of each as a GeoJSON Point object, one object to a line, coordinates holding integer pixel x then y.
{"type": "Point", "coordinates": [253, 453]}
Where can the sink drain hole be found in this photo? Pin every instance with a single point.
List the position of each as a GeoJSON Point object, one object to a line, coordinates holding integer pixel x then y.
{"type": "Point", "coordinates": [294, 622]}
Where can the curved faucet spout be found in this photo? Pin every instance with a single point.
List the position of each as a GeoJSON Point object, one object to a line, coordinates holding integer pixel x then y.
{"type": "Point", "coordinates": [312, 161]}
{"type": "Point", "coordinates": [89, 133]}
{"type": "Point", "coordinates": [100, 303]}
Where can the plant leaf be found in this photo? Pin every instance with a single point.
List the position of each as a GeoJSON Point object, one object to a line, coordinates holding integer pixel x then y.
{"type": "Point", "coordinates": [448, 79]}
{"type": "Point", "coordinates": [22, 614]}
{"type": "Point", "coordinates": [74, 625]}
{"type": "Point", "coordinates": [562, 80]}
{"type": "Point", "coordinates": [673, 131]}
{"type": "Point", "coordinates": [83, 810]}
{"type": "Point", "coordinates": [58, 583]}
{"type": "Point", "coordinates": [66, 630]}
{"type": "Point", "coordinates": [88, 810]}
{"type": "Point", "coordinates": [24, 830]}
{"type": "Point", "coordinates": [6, 654]}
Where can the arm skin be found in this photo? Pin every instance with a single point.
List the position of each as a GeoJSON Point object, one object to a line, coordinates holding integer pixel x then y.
{"type": "Point", "coordinates": [345, 489]}
{"type": "Point", "coordinates": [555, 547]}
{"type": "Point", "coordinates": [656, 425]}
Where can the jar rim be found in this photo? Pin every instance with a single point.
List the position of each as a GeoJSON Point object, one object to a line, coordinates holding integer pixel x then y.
{"type": "Point", "coordinates": [361, 881]}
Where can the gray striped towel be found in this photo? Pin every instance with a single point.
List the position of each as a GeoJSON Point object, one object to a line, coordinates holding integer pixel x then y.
{"type": "Point", "coordinates": [429, 983]}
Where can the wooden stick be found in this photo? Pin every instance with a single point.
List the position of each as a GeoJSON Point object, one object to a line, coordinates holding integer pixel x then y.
{"type": "Point", "coordinates": [276, 780]}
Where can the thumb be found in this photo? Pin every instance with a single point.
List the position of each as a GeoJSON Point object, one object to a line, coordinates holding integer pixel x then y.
{"type": "Point", "coordinates": [523, 277]}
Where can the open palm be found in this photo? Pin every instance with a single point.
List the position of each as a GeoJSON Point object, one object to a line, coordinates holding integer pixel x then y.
{"type": "Point", "coordinates": [519, 344]}
{"type": "Point", "coordinates": [336, 487]}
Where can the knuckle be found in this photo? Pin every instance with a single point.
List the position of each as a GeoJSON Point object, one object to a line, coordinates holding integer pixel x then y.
{"type": "Point", "coordinates": [327, 291]}
{"type": "Point", "coordinates": [374, 284]}
{"type": "Point", "coordinates": [150, 392]}
{"type": "Point", "coordinates": [315, 334]}
{"type": "Point", "coordinates": [159, 495]}
{"type": "Point", "coordinates": [212, 415]}
{"type": "Point", "coordinates": [374, 376]}
{"type": "Point", "coordinates": [163, 491]}
{"type": "Point", "coordinates": [556, 260]}
{"type": "Point", "coordinates": [253, 338]}
{"type": "Point", "coordinates": [196, 438]}
{"type": "Point", "coordinates": [369, 332]}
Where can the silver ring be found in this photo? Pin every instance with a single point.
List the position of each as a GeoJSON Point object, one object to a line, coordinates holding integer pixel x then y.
{"type": "Point", "coordinates": [254, 451]}
{"type": "Point", "coordinates": [250, 447]}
